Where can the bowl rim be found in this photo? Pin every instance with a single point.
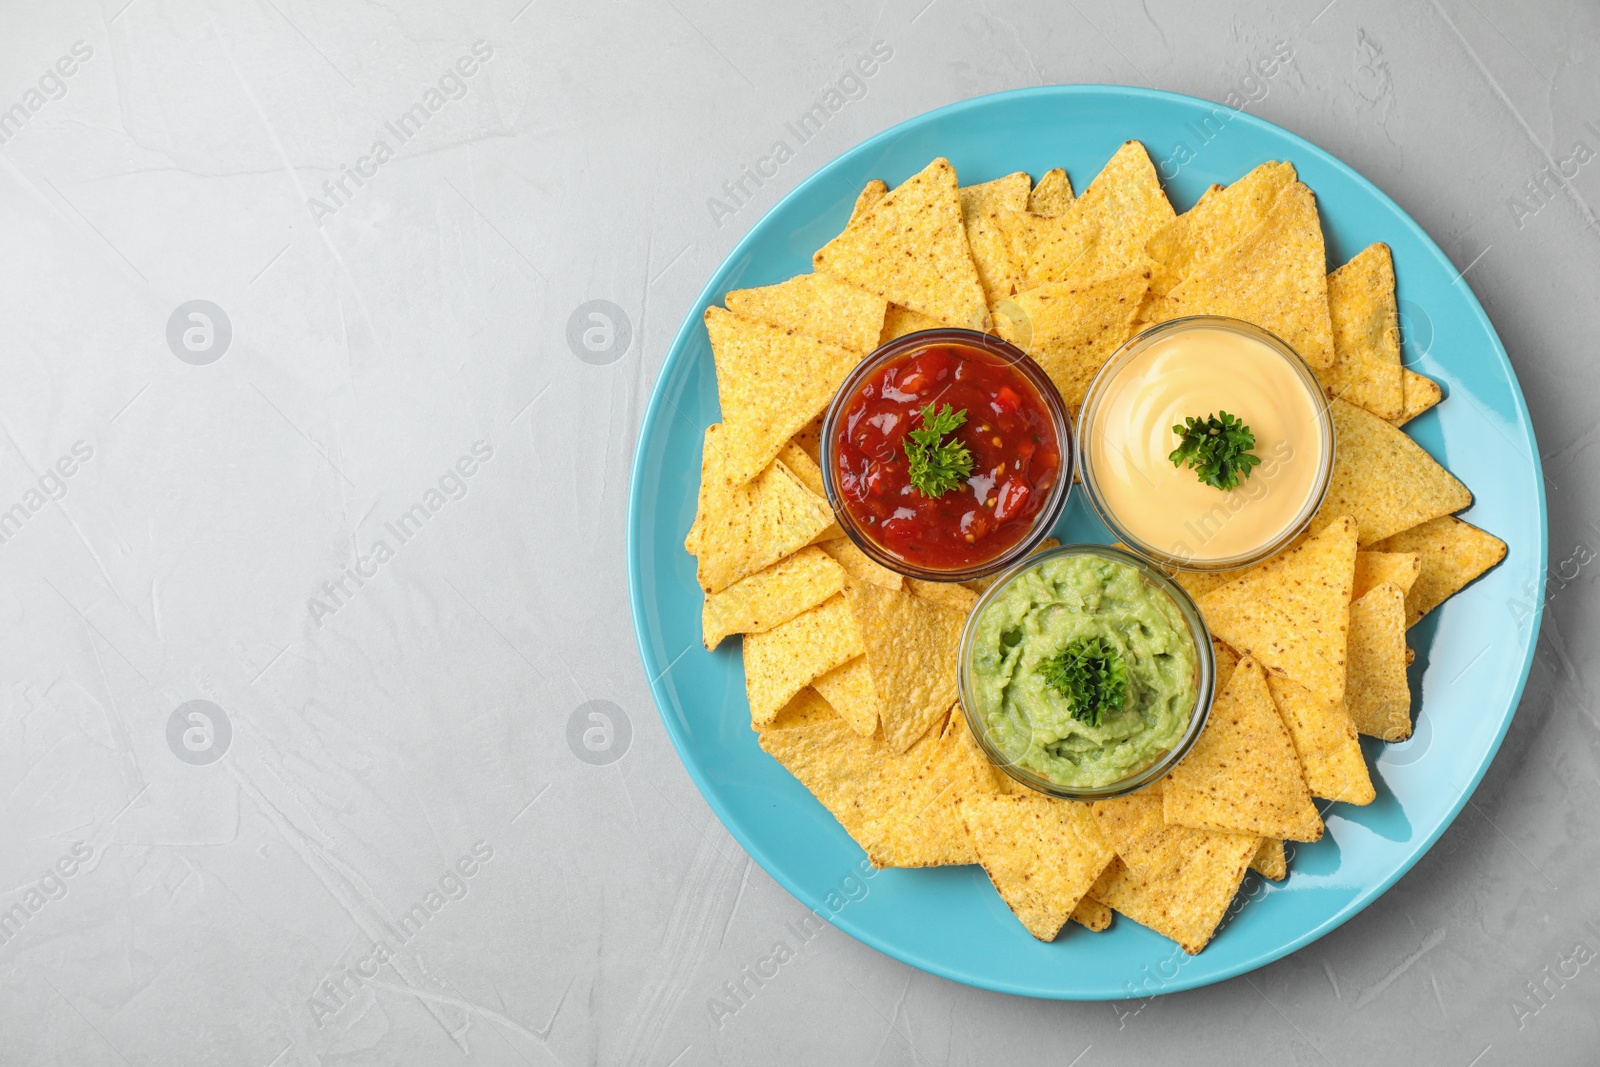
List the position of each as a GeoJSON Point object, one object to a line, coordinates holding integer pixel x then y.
{"type": "Point", "coordinates": [1044, 519]}
{"type": "Point", "coordinates": [1088, 415]}
{"type": "Point", "coordinates": [1205, 675]}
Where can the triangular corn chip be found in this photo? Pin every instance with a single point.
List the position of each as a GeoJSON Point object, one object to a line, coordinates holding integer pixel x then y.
{"type": "Point", "coordinates": [1042, 854]}
{"type": "Point", "coordinates": [1384, 479]}
{"type": "Point", "coordinates": [899, 321]}
{"type": "Point", "coordinates": [870, 194]}
{"type": "Point", "coordinates": [1227, 661]}
{"type": "Point", "coordinates": [1325, 740]}
{"type": "Point", "coordinates": [1362, 306]}
{"type": "Point", "coordinates": [1071, 328]}
{"type": "Point", "coordinates": [809, 440]}
{"type": "Point", "coordinates": [1053, 194]}
{"type": "Point", "coordinates": [901, 808]}
{"type": "Point", "coordinates": [740, 530]}
{"type": "Point", "coordinates": [771, 383]}
{"type": "Point", "coordinates": [1452, 554]}
{"type": "Point", "coordinates": [911, 247]}
{"type": "Point", "coordinates": [1275, 277]}
{"type": "Point", "coordinates": [1220, 220]}
{"type": "Point", "coordinates": [816, 306]}
{"type": "Point", "coordinates": [1292, 613]}
{"type": "Point", "coordinates": [911, 647]}
{"type": "Point", "coordinates": [1420, 392]}
{"type": "Point", "coordinates": [1103, 232]}
{"type": "Point", "coordinates": [1366, 334]}
{"type": "Point", "coordinates": [1188, 900]}
{"type": "Point", "coordinates": [849, 556]}
{"type": "Point", "coordinates": [848, 687]}
{"type": "Point", "coordinates": [1270, 860]}
{"type": "Point", "coordinates": [1092, 914]}
{"type": "Point", "coordinates": [1401, 568]}
{"type": "Point", "coordinates": [1243, 775]}
{"type": "Point", "coordinates": [991, 247]}
{"type": "Point", "coordinates": [1379, 696]}
{"type": "Point", "coordinates": [771, 597]}
{"type": "Point", "coordinates": [1135, 826]}
{"type": "Point", "coordinates": [952, 595]}
{"type": "Point", "coordinates": [785, 659]}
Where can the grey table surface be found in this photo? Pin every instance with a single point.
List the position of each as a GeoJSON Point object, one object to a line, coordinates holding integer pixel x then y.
{"type": "Point", "coordinates": [193, 497]}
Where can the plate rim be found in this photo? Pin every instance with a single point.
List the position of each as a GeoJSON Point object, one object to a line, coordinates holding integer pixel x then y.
{"type": "Point", "coordinates": [656, 673]}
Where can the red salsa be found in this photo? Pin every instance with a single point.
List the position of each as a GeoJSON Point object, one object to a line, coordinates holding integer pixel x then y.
{"type": "Point", "coordinates": [1008, 433]}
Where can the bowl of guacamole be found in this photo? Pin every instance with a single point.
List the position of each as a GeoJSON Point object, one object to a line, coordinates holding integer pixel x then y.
{"type": "Point", "coordinates": [1086, 672]}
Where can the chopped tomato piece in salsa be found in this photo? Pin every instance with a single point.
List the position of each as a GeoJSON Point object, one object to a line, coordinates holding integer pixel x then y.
{"type": "Point", "coordinates": [1008, 433]}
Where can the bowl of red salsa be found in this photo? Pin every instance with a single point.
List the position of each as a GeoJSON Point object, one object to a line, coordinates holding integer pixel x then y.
{"type": "Point", "coordinates": [947, 455]}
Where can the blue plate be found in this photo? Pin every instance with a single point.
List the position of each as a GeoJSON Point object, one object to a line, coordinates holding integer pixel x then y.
{"type": "Point", "coordinates": [1473, 654]}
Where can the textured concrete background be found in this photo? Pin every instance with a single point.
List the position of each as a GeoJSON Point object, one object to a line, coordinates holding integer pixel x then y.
{"type": "Point", "coordinates": [407, 852]}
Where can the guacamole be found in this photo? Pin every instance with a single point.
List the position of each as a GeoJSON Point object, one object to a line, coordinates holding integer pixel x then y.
{"type": "Point", "coordinates": [1052, 610]}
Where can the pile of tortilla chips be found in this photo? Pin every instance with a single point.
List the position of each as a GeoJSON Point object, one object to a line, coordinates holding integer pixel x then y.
{"type": "Point", "coordinates": [850, 669]}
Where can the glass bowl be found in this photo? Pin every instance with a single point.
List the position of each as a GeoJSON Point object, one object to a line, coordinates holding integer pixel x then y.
{"type": "Point", "coordinates": [1043, 388]}
{"type": "Point", "coordinates": [1177, 554]}
{"type": "Point", "coordinates": [1184, 611]}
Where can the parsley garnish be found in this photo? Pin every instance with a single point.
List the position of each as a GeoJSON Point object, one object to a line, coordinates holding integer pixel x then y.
{"type": "Point", "coordinates": [1217, 448]}
{"type": "Point", "coordinates": [937, 468]}
{"type": "Point", "coordinates": [1091, 675]}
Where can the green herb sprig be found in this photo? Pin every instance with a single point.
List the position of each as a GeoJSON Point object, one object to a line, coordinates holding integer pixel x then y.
{"type": "Point", "coordinates": [1217, 448]}
{"type": "Point", "coordinates": [1091, 675]}
{"type": "Point", "coordinates": [937, 467]}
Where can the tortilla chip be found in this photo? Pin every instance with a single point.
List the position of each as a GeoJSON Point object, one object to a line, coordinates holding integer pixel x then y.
{"type": "Point", "coordinates": [1421, 393]}
{"type": "Point", "coordinates": [1243, 774]}
{"type": "Point", "coordinates": [899, 321]}
{"type": "Point", "coordinates": [1366, 335]}
{"type": "Point", "coordinates": [1325, 740]}
{"type": "Point", "coordinates": [1292, 612]}
{"type": "Point", "coordinates": [785, 659]}
{"type": "Point", "coordinates": [924, 826]}
{"type": "Point", "coordinates": [848, 687]}
{"type": "Point", "coordinates": [806, 709]}
{"type": "Point", "coordinates": [816, 306]}
{"type": "Point", "coordinates": [1136, 828]}
{"type": "Point", "coordinates": [1220, 220]}
{"type": "Point", "coordinates": [990, 245]}
{"type": "Point", "coordinates": [1042, 855]}
{"type": "Point", "coordinates": [981, 585]}
{"type": "Point", "coordinates": [1188, 900]}
{"type": "Point", "coordinates": [1270, 861]}
{"type": "Point", "coordinates": [911, 647]}
{"type": "Point", "coordinates": [870, 194]}
{"type": "Point", "coordinates": [1453, 553]}
{"type": "Point", "coordinates": [1362, 307]}
{"type": "Point", "coordinates": [1092, 914]}
{"type": "Point", "coordinates": [771, 383]}
{"type": "Point", "coordinates": [846, 553]}
{"type": "Point", "coordinates": [771, 597]}
{"type": "Point", "coordinates": [741, 530]}
{"type": "Point", "coordinates": [1379, 696]}
{"type": "Point", "coordinates": [901, 808]}
{"type": "Point", "coordinates": [1104, 231]}
{"type": "Point", "coordinates": [1227, 662]}
{"type": "Point", "coordinates": [1053, 194]}
{"type": "Point", "coordinates": [1071, 328]}
{"type": "Point", "coordinates": [1400, 568]}
{"type": "Point", "coordinates": [1375, 387]}
{"type": "Point", "coordinates": [804, 469]}
{"type": "Point", "coordinates": [911, 248]}
{"type": "Point", "coordinates": [952, 595]}
{"type": "Point", "coordinates": [809, 441]}
{"type": "Point", "coordinates": [1198, 583]}
{"type": "Point", "coordinates": [1274, 277]}
{"type": "Point", "coordinates": [1384, 479]}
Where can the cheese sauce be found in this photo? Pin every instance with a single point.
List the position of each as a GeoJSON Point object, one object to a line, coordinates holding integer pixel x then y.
{"type": "Point", "coordinates": [1201, 371]}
